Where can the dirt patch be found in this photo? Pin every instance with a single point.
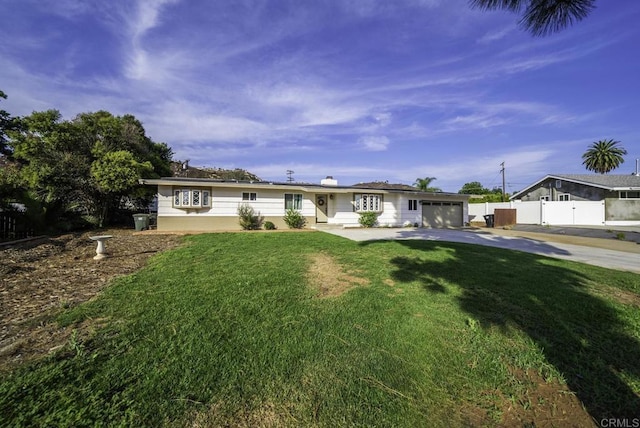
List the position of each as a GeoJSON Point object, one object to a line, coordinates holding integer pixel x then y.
{"type": "Point", "coordinates": [542, 404]}
{"type": "Point", "coordinates": [538, 403]}
{"type": "Point", "coordinates": [39, 279]}
{"type": "Point", "coordinates": [329, 278]}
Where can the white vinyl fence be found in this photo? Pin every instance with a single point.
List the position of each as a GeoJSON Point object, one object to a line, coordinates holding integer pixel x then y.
{"type": "Point", "coordinates": [577, 213]}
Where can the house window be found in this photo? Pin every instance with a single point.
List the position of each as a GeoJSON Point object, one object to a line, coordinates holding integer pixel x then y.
{"type": "Point", "coordinates": [413, 204]}
{"type": "Point", "coordinates": [191, 198]}
{"type": "Point", "coordinates": [293, 201]}
{"type": "Point", "coordinates": [564, 197]}
{"type": "Point", "coordinates": [249, 196]}
{"type": "Point", "coordinates": [558, 184]}
{"type": "Point", "coordinates": [367, 202]}
{"type": "Point", "coordinates": [544, 198]}
{"type": "Point", "coordinates": [629, 195]}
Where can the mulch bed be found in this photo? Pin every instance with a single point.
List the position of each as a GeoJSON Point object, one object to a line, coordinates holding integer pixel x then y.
{"type": "Point", "coordinates": [40, 278]}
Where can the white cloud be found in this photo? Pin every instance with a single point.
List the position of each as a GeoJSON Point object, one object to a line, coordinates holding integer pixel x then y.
{"type": "Point", "coordinates": [148, 15]}
{"type": "Point", "coordinates": [141, 64]}
{"type": "Point", "coordinates": [374, 143]}
{"type": "Point", "coordinates": [493, 36]}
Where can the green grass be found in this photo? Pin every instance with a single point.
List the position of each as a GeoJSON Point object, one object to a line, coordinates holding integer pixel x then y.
{"type": "Point", "coordinates": [227, 331]}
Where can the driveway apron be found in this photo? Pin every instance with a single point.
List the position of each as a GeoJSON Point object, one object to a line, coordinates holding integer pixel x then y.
{"type": "Point", "coordinates": [611, 259]}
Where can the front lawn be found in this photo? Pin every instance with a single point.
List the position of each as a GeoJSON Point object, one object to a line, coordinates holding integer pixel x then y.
{"type": "Point", "coordinates": [309, 329]}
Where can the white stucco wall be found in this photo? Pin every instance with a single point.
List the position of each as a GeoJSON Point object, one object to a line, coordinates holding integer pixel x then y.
{"type": "Point", "coordinates": [224, 202]}
{"type": "Point", "coordinates": [395, 210]}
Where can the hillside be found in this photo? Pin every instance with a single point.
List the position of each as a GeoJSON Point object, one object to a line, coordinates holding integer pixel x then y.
{"type": "Point", "coordinates": [216, 173]}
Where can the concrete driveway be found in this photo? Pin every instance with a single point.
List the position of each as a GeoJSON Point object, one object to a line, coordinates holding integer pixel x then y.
{"type": "Point", "coordinates": [534, 243]}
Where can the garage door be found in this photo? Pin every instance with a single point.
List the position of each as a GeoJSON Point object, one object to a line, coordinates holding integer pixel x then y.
{"type": "Point", "coordinates": [441, 214]}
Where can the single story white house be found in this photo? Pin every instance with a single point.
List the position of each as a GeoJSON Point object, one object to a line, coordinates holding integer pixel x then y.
{"type": "Point", "coordinates": [200, 204]}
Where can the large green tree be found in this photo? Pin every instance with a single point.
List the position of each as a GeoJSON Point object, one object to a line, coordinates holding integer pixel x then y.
{"type": "Point", "coordinates": [603, 156]}
{"type": "Point", "coordinates": [424, 184]}
{"type": "Point", "coordinates": [542, 17]}
{"type": "Point", "coordinates": [7, 123]}
{"type": "Point", "coordinates": [87, 166]}
{"type": "Point", "coordinates": [8, 186]}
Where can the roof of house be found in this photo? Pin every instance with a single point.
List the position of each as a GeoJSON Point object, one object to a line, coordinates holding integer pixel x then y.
{"type": "Point", "coordinates": [385, 185]}
{"type": "Point", "coordinates": [603, 181]}
{"type": "Point", "coordinates": [378, 187]}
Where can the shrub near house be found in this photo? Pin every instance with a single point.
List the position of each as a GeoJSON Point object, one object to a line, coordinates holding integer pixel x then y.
{"type": "Point", "coordinates": [294, 219]}
{"type": "Point", "coordinates": [368, 219]}
{"type": "Point", "coordinates": [248, 218]}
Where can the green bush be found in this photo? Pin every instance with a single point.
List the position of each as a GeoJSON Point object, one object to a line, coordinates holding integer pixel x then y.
{"type": "Point", "coordinates": [368, 219]}
{"type": "Point", "coordinates": [294, 219]}
{"type": "Point", "coordinates": [248, 218]}
{"type": "Point", "coordinates": [269, 225]}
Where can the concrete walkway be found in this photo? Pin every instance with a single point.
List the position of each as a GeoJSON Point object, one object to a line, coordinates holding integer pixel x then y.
{"type": "Point", "coordinates": [608, 253]}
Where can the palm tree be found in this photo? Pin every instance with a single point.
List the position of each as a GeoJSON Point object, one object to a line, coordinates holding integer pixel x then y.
{"type": "Point", "coordinates": [542, 17]}
{"type": "Point", "coordinates": [423, 184]}
{"type": "Point", "coordinates": [603, 156]}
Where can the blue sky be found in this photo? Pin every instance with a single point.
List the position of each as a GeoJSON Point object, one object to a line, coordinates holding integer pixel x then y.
{"type": "Point", "coordinates": [361, 90]}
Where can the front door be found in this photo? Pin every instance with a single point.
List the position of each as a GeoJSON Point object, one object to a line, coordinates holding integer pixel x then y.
{"type": "Point", "coordinates": [321, 208]}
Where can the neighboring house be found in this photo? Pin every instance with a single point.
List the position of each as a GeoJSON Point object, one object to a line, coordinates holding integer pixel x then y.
{"type": "Point", "coordinates": [209, 204]}
{"type": "Point", "coordinates": [619, 194]}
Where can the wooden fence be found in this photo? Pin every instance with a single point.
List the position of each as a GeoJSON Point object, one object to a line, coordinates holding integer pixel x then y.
{"type": "Point", "coordinates": [504, 217]}
{"type": "Point", "coordinates": [14, 226]}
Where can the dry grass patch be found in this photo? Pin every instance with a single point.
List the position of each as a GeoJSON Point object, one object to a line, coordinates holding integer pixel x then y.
{"type": "Point", "coordinates": [329, 278]}
{"type": "Point", "coordinates": [267, 416]}
{"type": "Point", "coordinates": [624, 297]}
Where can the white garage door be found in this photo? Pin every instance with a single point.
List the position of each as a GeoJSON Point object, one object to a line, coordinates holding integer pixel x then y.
{"type": "Point", "coordinates": [441, 214]}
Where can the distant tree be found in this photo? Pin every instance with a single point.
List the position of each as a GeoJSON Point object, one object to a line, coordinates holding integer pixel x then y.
{"type": "Point", "coordinates": [424, 184]}
{"type": "Point", "coordinates": [603, 156]}
{"type": "Point", "coordinates": [542, 17]}
{"type": "Point", "coordinates": [473, 188]}
{"type": "Point", "coordinates": [476, 188]}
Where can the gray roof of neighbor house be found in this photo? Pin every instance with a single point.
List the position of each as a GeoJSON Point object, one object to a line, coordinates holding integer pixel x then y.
{"type": "Point", "coordinates": [603, 181]}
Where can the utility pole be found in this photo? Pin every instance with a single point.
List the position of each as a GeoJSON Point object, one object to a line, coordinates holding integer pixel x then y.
{"type": "Point", "coordinates": [289, 176]}
{"type": "Point", "coordinates": [504, 191]}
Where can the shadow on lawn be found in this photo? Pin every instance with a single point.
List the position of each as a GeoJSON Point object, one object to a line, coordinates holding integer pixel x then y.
{"type": "Point", "coordinates": [580, 334]}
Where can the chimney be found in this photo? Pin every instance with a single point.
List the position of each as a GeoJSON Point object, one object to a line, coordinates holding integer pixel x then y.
{"type": "Point", "coordinates": [329, 181]}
